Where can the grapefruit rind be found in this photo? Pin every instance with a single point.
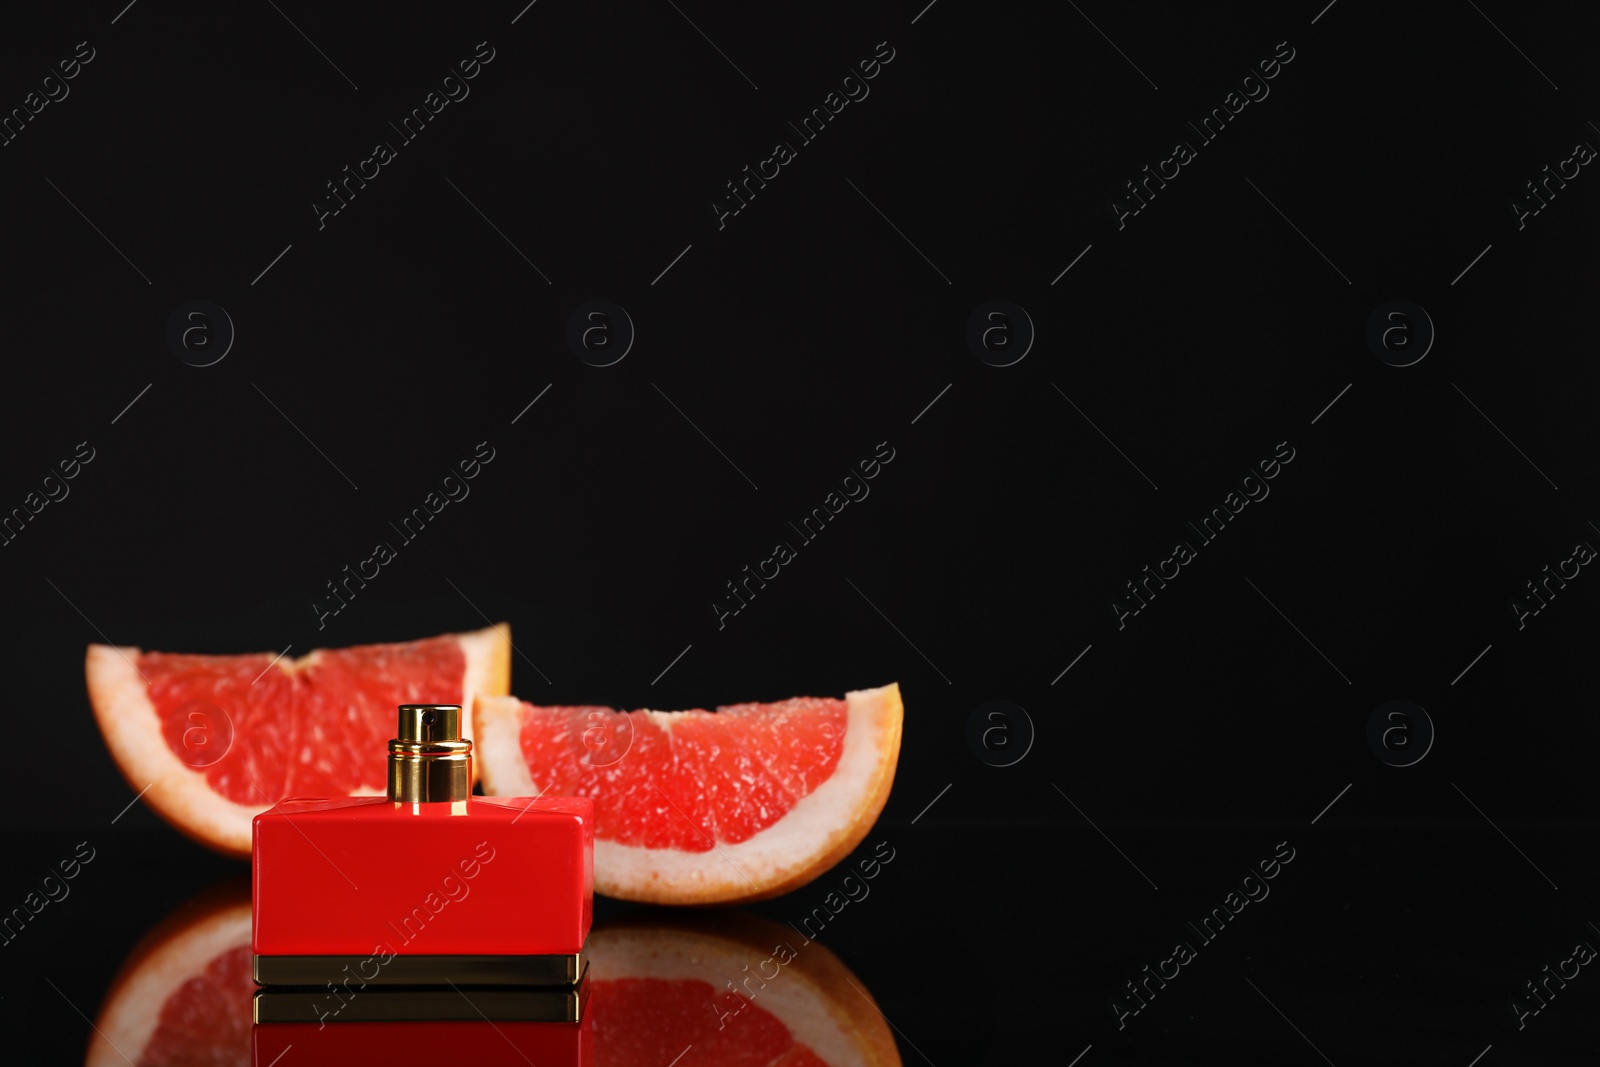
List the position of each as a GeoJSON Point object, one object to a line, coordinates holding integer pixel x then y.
{"type": "Point", "coordinates": [820, 830]}
{"type": "Point", "coordinates": [180, 793]}
{"type": "Point", "coordinates": [176, 791]}
{"type": "Point", "coordinates": [488, 653]}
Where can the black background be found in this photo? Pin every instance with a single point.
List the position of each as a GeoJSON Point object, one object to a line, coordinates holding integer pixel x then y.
{"type": "Point", "coordinates": [797, 338]}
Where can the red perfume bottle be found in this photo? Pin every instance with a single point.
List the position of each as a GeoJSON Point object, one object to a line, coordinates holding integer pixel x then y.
{"type": "Point", "coordinates": [428, 885]}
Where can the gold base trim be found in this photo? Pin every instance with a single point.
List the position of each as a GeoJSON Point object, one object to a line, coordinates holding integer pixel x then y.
{"type": "Point", "coordinates": [350, 974]}
{"type": "Point", "coordinates": [424, 1004]}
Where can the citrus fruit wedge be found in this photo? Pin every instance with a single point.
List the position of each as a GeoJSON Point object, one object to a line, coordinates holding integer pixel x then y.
{"type": "Point", "coordinates": [211, 741]}
{"type": "Point", "coordinates": [700, 807]}
{"type": "Point", "coordinates": [183, 996]}
{"type": "Point", "coordinates": [660, 990]}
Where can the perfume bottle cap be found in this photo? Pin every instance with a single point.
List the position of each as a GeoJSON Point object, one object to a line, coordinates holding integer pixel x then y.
{"type": "Point", "coordinates": [430, 722]}
{"type": "Point", "coordinates": [429, 761]}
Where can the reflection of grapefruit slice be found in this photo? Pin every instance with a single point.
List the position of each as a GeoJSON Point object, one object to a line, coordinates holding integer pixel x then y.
{"type": "Point", "coordinates": [218, 739]}
{"type": "Point", "coordinates": [696, 807]}
{"type": "Point", "coordinates": [183, 996]}
{"type": "Point", "coordinates": [660, 991]}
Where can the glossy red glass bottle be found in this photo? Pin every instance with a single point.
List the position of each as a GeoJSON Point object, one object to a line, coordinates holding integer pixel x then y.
{"type": "Point", "coordinates": [428, 885]}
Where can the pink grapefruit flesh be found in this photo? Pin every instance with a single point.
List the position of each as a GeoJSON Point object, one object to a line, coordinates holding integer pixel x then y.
{"type": "Point", "coordinates": [702, 807]}
{"type": "Point", "coordinates": [214, 740]}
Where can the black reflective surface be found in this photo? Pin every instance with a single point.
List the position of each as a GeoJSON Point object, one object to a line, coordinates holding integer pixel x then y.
{"type": "Point", "coordinates": [1382, 940]}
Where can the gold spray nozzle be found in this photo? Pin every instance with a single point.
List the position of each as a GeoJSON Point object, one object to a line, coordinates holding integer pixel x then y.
{"type": "Point", "coordinates": [429, 761]}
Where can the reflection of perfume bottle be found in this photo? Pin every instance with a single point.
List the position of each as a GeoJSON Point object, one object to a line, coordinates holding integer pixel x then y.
{"type": "Point", "coordinates": [479, 1042]}
{"type": "Point", "coordinates": [426, 886]}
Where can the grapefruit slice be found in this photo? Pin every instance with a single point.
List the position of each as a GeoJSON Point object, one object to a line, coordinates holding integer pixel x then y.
{"type": "Point", "coordinates": [700, 807]}
{"type": "Point", "coordinates": [661, 990]}
{"type": "Point", "coordinates": [214, 740]}
{"type": "Point", "coordinates": [183, 996]}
